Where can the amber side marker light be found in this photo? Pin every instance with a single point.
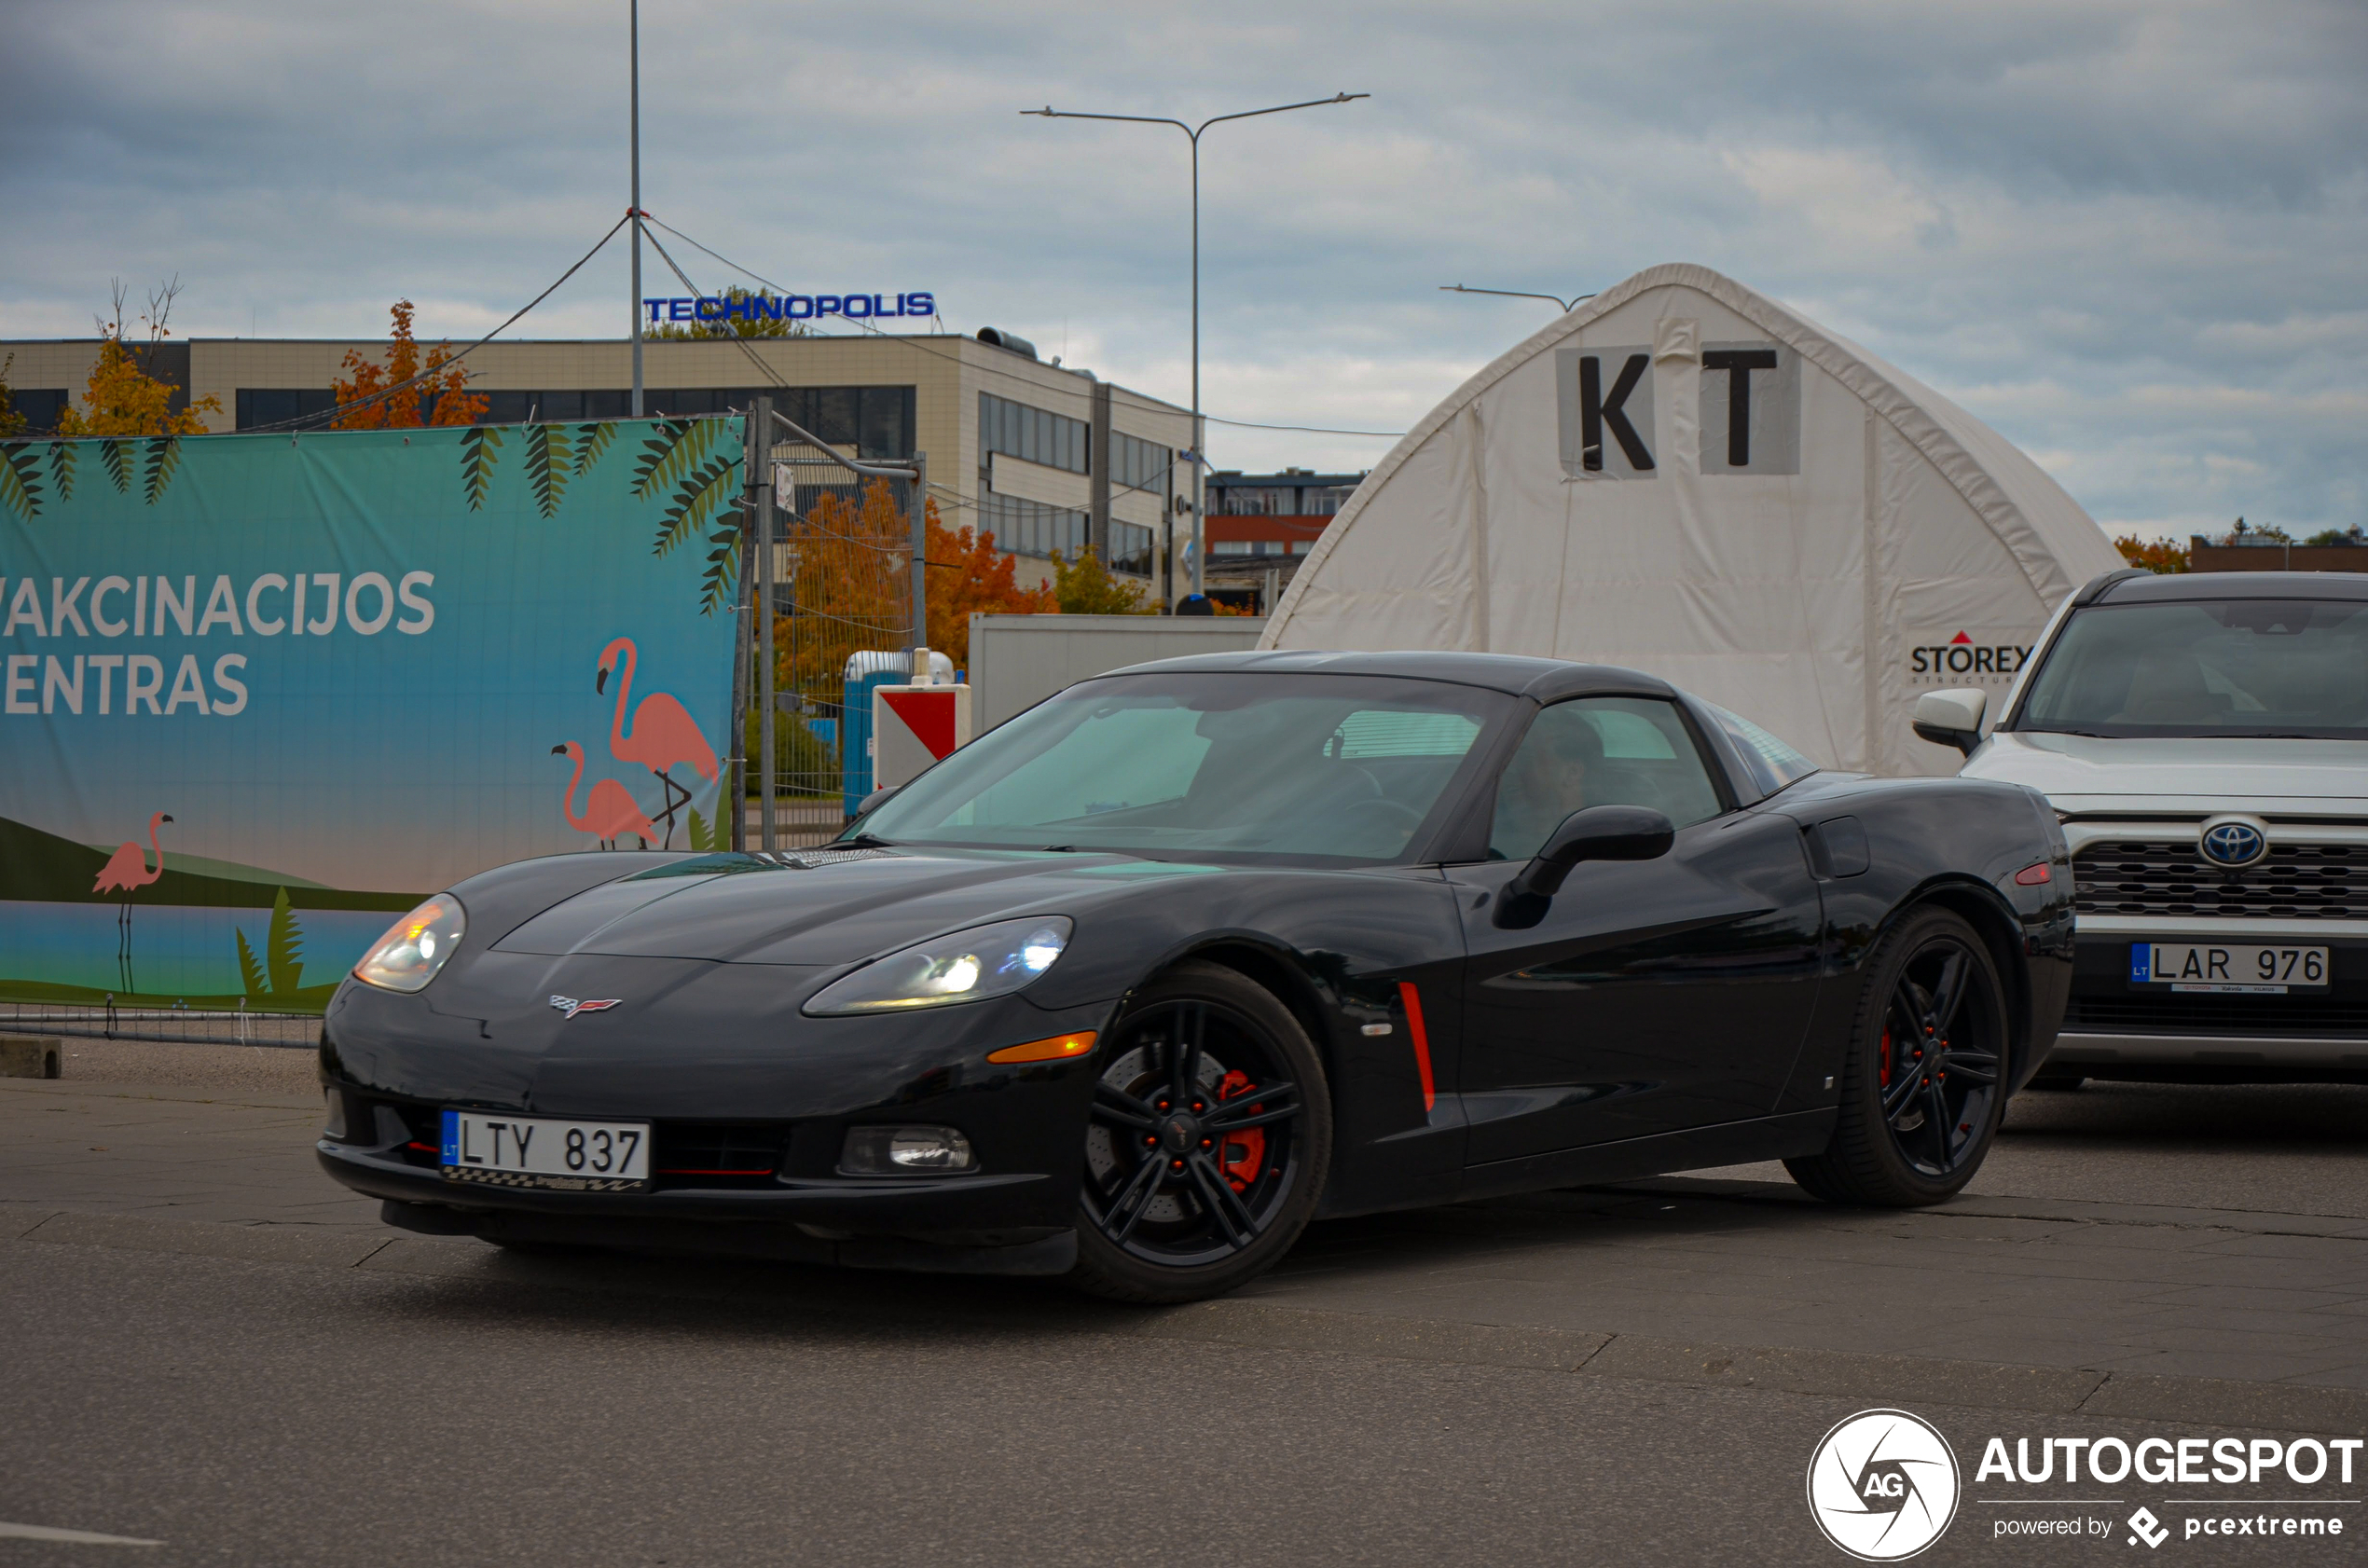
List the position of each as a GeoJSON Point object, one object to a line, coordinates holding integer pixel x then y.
{"type": "Point", "coordinates": [1057, 1047]}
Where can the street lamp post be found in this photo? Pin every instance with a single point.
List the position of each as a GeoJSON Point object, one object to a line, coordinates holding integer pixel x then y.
{"type": "Point", "coordinates": [1200, 439]}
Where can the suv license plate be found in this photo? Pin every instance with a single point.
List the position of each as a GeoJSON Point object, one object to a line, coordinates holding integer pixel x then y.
{"type": "Point", "coordinates": [2227, 968]}
{"type": "Point", "coordinates": [561, 1156]}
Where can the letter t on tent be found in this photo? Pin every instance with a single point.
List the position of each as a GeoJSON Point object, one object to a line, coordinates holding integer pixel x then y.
{"type": "Point", "coordinates": [1739, 364]}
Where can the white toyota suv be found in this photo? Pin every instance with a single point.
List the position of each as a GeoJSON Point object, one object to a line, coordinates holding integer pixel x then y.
{"type": "Point", "coordinates": [2204, 740]}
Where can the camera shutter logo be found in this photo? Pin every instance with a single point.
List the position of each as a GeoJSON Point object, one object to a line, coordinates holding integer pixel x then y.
{"type": "Point", "coordinates": [2233, 842]}
{"type": "Point", "coordinates": [1884, 1485]}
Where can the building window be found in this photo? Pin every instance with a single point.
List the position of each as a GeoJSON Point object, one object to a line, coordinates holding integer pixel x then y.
{"type": "Point", "coordinates": [1030, 527]}
{"type": "Point", "coordinates": [1233, 548]}
{"type": "Point", "coordinates": [42, 409]}
{"type": "Point", "coordinates": [877, 422]}
{"type": "Point", "coordinates": [1137, 465]}
{"type": "Point", "coordinates": [1031, 435]}
{"type": "Point", "coordinates": [1324, 500]}
{"type": "Point", "coordinates": [255, 407]}
{"type": "Point", "coordinates": [1130, 548]}
{"type": "Point", "coordinates": [1250, 501]}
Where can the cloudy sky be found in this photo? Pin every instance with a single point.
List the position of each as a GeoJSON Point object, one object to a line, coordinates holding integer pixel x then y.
{"type": "Point", "coordinates": [2132, 236]}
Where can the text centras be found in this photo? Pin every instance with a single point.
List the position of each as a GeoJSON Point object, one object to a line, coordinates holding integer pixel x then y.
{"type": "Point", "coordinates": [304, 604]}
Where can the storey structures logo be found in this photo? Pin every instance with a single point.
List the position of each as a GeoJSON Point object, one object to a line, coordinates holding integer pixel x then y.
{"type": "Point", "coordinates": [1980, 656]}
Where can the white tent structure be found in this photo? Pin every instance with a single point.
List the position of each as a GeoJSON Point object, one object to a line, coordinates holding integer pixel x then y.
{"type": "Point", "coordinates": [1687, 478]}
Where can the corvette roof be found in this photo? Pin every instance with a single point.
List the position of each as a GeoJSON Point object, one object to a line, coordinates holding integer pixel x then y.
{"type": "Point", "coordinates": [1522, 676]}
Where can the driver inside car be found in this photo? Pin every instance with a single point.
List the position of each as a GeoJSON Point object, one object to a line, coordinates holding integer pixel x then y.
{"type": "Point", "coordinates": [1545, 782]}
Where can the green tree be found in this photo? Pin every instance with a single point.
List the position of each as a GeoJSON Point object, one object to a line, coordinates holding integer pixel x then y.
{"type": "Point", "coordinates": [1086, 587]}
{"type": "Point", "coordinates": [751, 323]}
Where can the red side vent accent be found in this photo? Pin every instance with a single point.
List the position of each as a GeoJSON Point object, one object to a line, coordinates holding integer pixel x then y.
{"type": "Point", "coordinates": [1414, 1001]}
{"type": "Point", "coordinates": [2032, 877]}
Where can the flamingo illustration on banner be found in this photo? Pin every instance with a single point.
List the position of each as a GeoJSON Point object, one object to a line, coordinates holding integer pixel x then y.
{"type": "Point", "coordinates": [127, 870]}
{"type": "Point", "coordinates": [609, 811]}
{"type": "Point", "coordinates": [664, 735]}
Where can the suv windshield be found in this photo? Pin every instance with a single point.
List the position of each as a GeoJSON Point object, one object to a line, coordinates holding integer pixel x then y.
{"type": "Point", "coordinates": [2234, 667]}
{"type": "Point", "coordinates": [1301, 767]}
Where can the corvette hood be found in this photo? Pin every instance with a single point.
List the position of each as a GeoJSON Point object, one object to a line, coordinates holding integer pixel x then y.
{"type": "Point", "coordinates": [735, 909]}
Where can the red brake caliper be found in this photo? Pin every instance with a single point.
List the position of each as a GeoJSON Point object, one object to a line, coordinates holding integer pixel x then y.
{"type": "Point", "coordinates": [1243, 1154]}
{"type": "Point", "coordinates": [1882, 1075]}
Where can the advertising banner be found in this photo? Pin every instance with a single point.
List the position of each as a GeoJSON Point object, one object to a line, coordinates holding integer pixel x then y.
{"type": "Point", "coordinates": [259, 693]}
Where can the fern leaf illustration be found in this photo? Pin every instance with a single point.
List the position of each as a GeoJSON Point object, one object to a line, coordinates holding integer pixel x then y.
{"type": "Point", "coordinates": [20, 481]}
{"type": "Point", "coordinates": [164, 456]}
{"type": "Point", "coordinates": [62, 456]}
{"type": "Point", "coordinates": [477, 449]}
{"type": "Point", "coordinates": [250, 972]}
{"type": "Point", "coordinates": [702, 497]}
{"type": "Point", "coordinates": [546, 466]}
{"type": "Point", "coordinates": [722, 574]}
{"type": "Point", "coordinates": [117, 455]}
{"type": "Point", "coordinates": [668, 456]}
{"type": "Point", "coordinates": [590, 442]}
{"type": "Point", "coordinates": [283, 946]}
{"type": "Point", "coordinates": [699, 839]}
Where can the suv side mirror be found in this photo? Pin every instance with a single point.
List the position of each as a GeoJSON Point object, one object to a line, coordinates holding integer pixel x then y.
{"type": "Point", "coordinates": [1951, 718]}
{"type": "Point", "coordinates": [1598, 832]}
{"type": "Point", "coordinates": [877, 797]}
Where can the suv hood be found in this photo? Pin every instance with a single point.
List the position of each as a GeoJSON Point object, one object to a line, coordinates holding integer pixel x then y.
{"type": "Point", "coordinates": [2220, 774]}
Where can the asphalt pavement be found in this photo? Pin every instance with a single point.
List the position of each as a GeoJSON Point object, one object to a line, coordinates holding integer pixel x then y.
{"type": "Point", "coordinates": [209, 1346]}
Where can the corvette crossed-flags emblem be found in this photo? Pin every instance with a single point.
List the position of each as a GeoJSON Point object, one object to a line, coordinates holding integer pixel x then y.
{"type": "Point", "coordinates": [570, 1006]}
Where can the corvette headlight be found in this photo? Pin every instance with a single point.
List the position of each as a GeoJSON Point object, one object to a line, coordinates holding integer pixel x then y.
{"type": "Point", "coordinates": [963, 966]}
{"type": "Point", "coordinates": [415, 947]}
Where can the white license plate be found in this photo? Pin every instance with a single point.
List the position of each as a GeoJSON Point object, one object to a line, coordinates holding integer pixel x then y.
{"type": "Point", "coordinates": [2227, 968]}
{"type": "Point", "coordinates": [529, 1151]}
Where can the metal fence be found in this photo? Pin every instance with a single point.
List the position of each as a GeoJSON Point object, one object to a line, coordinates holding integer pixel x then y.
{"type": "Point", "coordinates": [299, 1031]}
{"type": "Point", "coordinates": [841, 573]}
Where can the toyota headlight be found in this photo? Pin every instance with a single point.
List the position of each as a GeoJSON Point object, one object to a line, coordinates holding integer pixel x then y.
{"type": "Point", "coordinates": [963, 966]}
{"type": "Point", "coordinates": [418, 945]}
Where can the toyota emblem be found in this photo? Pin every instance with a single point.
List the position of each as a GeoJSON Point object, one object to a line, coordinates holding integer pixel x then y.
{"type": "Point", "coordinates": [2233, 842]}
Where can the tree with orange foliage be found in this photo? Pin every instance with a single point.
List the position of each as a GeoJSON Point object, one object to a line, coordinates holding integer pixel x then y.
{"type": "Point", "coordinates": [439, 397]}
{"type": "Point", "coordinates": [2154, 555]}
{"type": "Point", "coordinates": [121, 398]}
{"type": "Point", "coordinates": [968, 576]}
{"type": "Point", "coordinates": [853, 571]}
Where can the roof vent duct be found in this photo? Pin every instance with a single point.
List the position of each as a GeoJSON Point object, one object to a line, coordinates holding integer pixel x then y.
{"type": "Point", "coordinates": [1002, 339]}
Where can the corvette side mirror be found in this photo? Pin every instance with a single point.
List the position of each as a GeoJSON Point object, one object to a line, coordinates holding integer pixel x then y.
{"type": "Point", "coordinates": [1599, 833]}
{"type": "Point", "coordinates": [1950, 717]}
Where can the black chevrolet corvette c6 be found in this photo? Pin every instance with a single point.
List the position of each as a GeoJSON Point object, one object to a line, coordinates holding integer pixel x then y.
{"type": "Point", "coordinates": [1132, 987]}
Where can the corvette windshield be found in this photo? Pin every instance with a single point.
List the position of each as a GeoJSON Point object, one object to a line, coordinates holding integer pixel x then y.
{"type": "Point", "coordinates": [1327, 767]}
{"type": "Point", "coordinates": [2236, 668]}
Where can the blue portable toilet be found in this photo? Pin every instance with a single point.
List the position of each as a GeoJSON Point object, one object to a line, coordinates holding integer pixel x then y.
{"type": "Point", "coordinates": [866, 670]}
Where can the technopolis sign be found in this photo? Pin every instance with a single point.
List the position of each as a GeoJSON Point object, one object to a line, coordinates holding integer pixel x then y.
{"type": "Point", "coordinates": [790, 306]}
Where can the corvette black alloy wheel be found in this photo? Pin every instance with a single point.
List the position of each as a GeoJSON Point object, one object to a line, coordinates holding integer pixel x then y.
{"type": "Point", "coordinates": [1207, 1140]}
{"type": "Point", "coordinates": [1937, 1059]}
{"type": "Point", "coordinates": [1921, 1091]}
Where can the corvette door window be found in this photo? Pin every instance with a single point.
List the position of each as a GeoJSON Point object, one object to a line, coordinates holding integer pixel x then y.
{"type": "Point", "coordinates": [1599, 751]}
{"type": "Point", "coordinates": [1330, 767]}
